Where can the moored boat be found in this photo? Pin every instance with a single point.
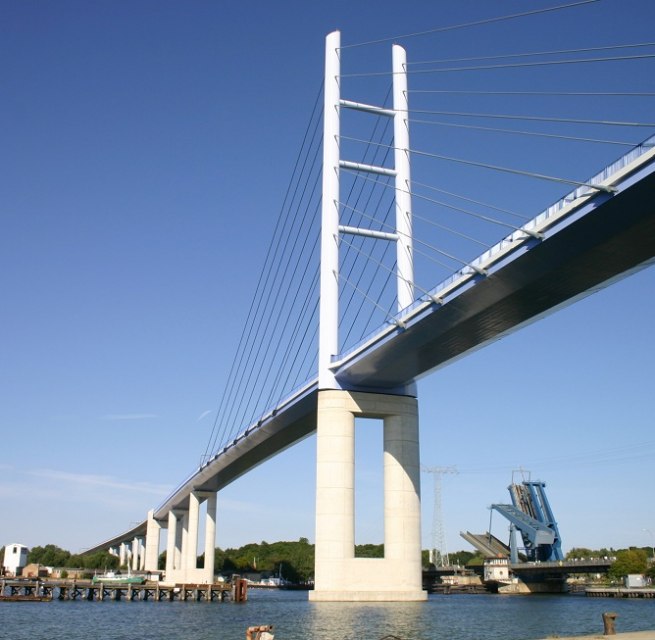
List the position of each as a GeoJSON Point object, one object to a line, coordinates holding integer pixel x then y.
{"type": "Point", "coordinates": [111, 577]}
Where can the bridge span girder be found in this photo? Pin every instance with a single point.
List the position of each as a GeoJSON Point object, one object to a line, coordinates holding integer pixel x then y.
{"type": "Point", "coordinates": [608, 238]}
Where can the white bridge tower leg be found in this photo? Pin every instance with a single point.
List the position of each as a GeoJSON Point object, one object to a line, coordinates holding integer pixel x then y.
{"type": "Point", "coordinates": [339, 576]}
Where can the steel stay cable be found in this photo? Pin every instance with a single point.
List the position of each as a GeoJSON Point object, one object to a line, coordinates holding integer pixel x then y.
{"type": "Point", "coordinates": [362, 183]}
{"type": "Point", "coordinates": [281, 271]}
{"type": "Point", "coordinates": [443, 227]}
{"type": "Point", "coordinates": [505, 116]}
{"type": "Point", "coordinates": [392, 272]}
{"type": "Point", "coordinates": [274, 275]}
{"type": "Point", "coordinates": [539, 63]}
{"type": "Point", "coordinates": [460, 210]}
{"type": "Point", "coordinates": [471, 24]}
{"type": "Point", "coordinates": [291, 343]}
{"type": "Point", "coordinates": [463, 263]}
{"type": "Point", "coordinates": [362, 271]}
{"type": "Point", "coordinates": [467, 199]}
{"type": "Point", "coordinates": [536, 134]}
{"type": "Point", "coordinates": [529, 174]}
{"type": "Point", "coordinates": [384, 253]}
{"type": "Point", "coordinates": [431, 258]}
{"type": "Point", "coordinates": [216, 435]}
{"type": "Point", "coordinates": [593, 94]}
{"type": "Point", "coordinates": [264, 277]}
{"type": "Point", "coordinates": [285, 271]}
{"type": "Point", "coordinates": [528, 54]}
{"type": "Point", "coordinates": [284, 384]}
{"type": "Point", "coordinates": [369, 299]}
{"type": "Point", "coordinates": [461, 197]}
{"type": "Point", "coordinates": [509, 65]}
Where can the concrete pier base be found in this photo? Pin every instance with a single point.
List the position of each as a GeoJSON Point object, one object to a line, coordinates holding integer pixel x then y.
{"type": "Point", "coordinates": [339, 576]}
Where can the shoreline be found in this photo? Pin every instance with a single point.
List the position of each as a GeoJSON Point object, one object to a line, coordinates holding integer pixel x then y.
{"type": "Point", "coordinates": [627, 635]}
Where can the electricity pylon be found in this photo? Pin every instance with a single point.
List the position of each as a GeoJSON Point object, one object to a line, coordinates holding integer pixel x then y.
{"type": "Point", "coordinates": [438, 552]}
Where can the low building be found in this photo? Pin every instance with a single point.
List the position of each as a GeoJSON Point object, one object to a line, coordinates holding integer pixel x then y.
{"type": "Point", "coordinates": [635, 580]}
{"type": "Point", "coordinates": [15, 559]}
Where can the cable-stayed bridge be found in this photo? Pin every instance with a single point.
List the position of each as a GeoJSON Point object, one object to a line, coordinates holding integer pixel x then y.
{"type": "Point", "coordinates": [600, 230]}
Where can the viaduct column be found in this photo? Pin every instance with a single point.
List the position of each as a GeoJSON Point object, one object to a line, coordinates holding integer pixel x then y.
{"type": "Point", "coordinates": [173, 546]}
{"type": "Point", "coordinates": [153, 534]}
{"type": "Point", "coordinates": [210, 538]}
{"type": "Point", "coordinates": [136, 548]}
{"type": "Point", "coordinates": [122, 555]}
{"type": "Point", "coordinates": [190, 548]}
{"type": "Point", "coordinates": [182, 542]}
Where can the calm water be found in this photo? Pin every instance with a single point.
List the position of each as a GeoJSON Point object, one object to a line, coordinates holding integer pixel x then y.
{"type": "Point", "coordinates": [453, 617]}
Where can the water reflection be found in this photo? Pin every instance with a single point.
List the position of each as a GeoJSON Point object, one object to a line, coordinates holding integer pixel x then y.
{"type": "Point", "coordinates": [454, 617]}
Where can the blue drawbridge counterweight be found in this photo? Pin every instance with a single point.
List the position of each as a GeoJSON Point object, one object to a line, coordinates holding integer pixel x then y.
{"type": "Point", "coordinates": [531, 515]}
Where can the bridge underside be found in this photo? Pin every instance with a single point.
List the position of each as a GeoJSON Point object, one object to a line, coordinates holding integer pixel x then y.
{"type": "Point", "coordinates": [585, 254]}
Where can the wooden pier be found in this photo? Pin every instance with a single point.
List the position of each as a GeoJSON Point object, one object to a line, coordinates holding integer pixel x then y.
{"type": "Point", "coordinates": [619, 592]}
{"type": "Point", "coordinates": [85, 590]}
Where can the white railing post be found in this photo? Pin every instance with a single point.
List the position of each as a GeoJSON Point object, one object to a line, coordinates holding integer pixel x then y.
{"type": "Point", "coordinates": [329, 304]}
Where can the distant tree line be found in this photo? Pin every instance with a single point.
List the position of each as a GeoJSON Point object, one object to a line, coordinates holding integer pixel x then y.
{"type": "Point", "coordinates": [53, 556]}
{"type": "Point", "coordinates": [626, 561]}
{"type": "Point", "coordinates": [295, 560]}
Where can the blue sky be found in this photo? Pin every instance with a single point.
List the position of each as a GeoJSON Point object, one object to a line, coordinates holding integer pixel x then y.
{"type": "Point", "coordinates": [146, 148]}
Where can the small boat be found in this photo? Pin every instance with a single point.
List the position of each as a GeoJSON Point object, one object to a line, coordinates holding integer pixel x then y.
{"type": "Point", "coordinates": [111, 577]}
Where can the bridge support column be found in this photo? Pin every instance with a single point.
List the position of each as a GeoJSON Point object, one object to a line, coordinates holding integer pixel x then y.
{"type": "Point", "coordinates": [210, 538]}
{"type": "Point", "coordinates": [190, 544]}
{"type": "Point", "coordinates": [339, 576]}
{"type": "Point", "coordinates": [182, 543]}
{"type": "Point", "coordinates": [142, 553]}
{"type": "Point", "coordinates": [136, 552]}
{"type": "Point", "coordinates": [153, 533]}
{"type": "Point", "coordinates": [122, 555]}
{"type": "Point", "coordinates": [174, 546]}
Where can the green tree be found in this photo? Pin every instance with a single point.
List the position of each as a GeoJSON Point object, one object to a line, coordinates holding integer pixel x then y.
{"type": "Point", "coordinates": [51, 555]}
{"type": "Point", "coordinates": [476, 561]}
{"type": "Point", "coordinates": [99, 560]}
{"type": "Point", "coordinates": [580, 552]}
{"type": "Point", "coordinates": [296, 558]}
{"type": "Point", "coordinates": [461, 558]}
{"type": "Point", "coordinates": [369, 551]}
{"type": "Point", "coordinates": [628, 561]}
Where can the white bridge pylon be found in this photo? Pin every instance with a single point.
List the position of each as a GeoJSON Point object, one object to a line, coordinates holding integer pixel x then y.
{"type": "Point", "coordinates": [339, 576]}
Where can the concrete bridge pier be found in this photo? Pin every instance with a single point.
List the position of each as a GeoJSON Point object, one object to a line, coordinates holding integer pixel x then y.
{"type": "Point", "coordinates": [182, 541]}
{"type": "Point", "coordinates": [339, 576]}
{"type": "Point", "coordinates": [122, 555]}
{"type": "Point", "coordinates": [138, 555]}
{"type": "Point", "coordinates": [153, 535]}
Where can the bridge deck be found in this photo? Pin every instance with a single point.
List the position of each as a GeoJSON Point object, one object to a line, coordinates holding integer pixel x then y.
{"type": "Point", "coordinates": [588, 240]}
